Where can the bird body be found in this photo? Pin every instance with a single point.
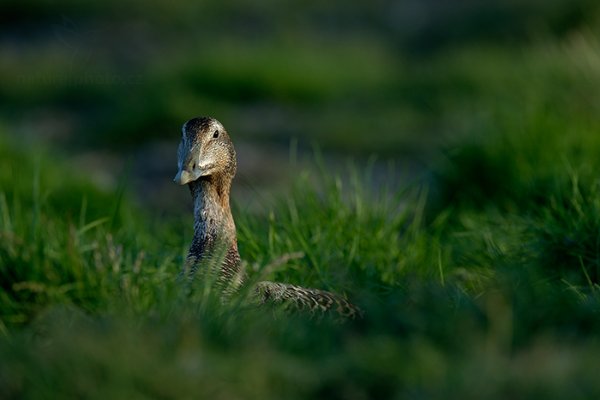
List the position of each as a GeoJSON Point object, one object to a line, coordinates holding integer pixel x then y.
{"type": "Point", "coordinates": [207, 164]}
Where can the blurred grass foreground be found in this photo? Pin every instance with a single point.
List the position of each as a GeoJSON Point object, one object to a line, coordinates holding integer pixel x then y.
{"type": "Point", "coordinates": [475, 255]}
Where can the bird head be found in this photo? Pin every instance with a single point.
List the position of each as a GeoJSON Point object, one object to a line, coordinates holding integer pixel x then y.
{"type": "Point", "coordinates": [205, 151]}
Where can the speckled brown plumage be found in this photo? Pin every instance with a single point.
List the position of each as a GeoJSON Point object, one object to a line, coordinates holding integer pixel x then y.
{"type": "Point", "coordinates": [207, 164]}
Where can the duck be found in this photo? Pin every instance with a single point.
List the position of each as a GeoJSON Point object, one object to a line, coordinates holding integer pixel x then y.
{"type": "Point", "coordinates": [207, 164]}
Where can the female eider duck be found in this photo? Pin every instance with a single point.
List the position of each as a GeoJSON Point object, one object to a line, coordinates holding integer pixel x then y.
{"type": "Point", "coordinates": [206, 162]}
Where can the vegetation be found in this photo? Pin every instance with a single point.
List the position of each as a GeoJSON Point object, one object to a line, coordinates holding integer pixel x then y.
{"type": "Point", "coordinates": [480, 278]}
{"type": "Point", "coordinates": [472, 299]}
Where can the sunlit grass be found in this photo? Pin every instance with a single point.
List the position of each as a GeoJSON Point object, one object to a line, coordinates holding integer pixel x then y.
{"type": "Point", "coordinates": [474, 290]}
{"type": "Point", "coordinates": [480, 280]}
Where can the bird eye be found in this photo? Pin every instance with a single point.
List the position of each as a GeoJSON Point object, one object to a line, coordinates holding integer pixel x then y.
{"type": "Point", "coordinates": [216, 134]}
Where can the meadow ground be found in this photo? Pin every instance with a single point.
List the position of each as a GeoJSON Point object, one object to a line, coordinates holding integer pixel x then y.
{"type": "Point", "coordinates": [479, 277]}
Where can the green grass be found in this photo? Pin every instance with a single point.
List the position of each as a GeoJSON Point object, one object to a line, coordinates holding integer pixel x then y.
{"type": "Point", "coordinates": [464, 299]}
{"type": "Point", "coordinates": [479, 280]}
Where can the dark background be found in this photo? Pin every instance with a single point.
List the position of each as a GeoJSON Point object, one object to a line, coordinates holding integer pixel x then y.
{"type": "Point", "coordinates": [108, 84]}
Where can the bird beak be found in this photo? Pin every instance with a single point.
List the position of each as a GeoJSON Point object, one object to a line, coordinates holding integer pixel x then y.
{"type": "Point", "coordinates": [183, 177]}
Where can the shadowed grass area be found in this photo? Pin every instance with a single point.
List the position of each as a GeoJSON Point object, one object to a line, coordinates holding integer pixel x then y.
{"type": "Point", "coordinates": [115, 82]}
{"type": "Point", "coordinates": [481, 280]}
{"type": "Point", "coordinates": [506, 295]}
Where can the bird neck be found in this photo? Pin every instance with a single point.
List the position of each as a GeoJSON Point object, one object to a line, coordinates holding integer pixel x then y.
{"type": "Point", "coordinates": [213, 222]}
